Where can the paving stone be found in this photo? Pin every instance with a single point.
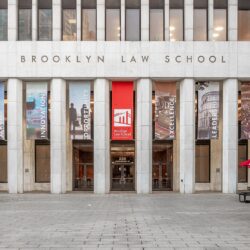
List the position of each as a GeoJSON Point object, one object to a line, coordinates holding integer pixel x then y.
{"type": "Point", "coordinates": [123, 221]}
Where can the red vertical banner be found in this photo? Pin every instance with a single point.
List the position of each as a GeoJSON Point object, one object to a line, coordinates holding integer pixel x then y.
{"type": "Point", "coordinates": [122, 110]}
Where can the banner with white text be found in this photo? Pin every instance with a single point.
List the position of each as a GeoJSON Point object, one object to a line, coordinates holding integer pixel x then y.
{"type": "Point", "coordinates": [79, 111]}
{"type": "Point", "coordinates": [2, 125]}
{"type": "Point", "coordinates": [208, 110]}
{"type": "Point", "coordinates": [122, 110]}
{"type": "Point", "coordinates": [36, 111]}
{"type": "Point", "coordinates": [165, 111]}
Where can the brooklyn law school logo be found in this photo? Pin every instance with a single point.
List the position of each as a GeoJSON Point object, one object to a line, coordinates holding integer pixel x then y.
{"type": "Point", "coordinates": [122, 118]}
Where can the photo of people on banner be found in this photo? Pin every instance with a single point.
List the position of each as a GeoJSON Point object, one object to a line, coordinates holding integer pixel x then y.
{"type": "Point", "coordinates": [165, 111]}
{"type": "Point", "coordinates": [79, 111]}
{"type": "Point", "coordinates": [36, 111]}
{"type": "Point", "coordinates": [245, 114]}
{"type": "Point", "coordinates": [208, 110]}
{"type": "Point", "coordinates": [2, 125]}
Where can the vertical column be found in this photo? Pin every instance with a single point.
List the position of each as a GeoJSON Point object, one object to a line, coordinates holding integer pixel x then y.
{"type": "Point", "coordinates": [15, 136]}
{"type": "Point", "coordinates": [233, 20]}
{"type": "Point", "coordinates": [187, 136]}
{"type": "Point", "coordinates": [230, 135]}
{"type": "Point", "coordinates": [123, 19]}
{"type": "Point", "coordinates": [145, 20]}
{"type": "Point", "coordinates": [101, 137]}
{"type": "Point", "coordinates": [144, 136]}
{"type": "Point", "coordinates": [57, 20]}
{"type": "Point", "coordinates": [166, 21]}
{"type": "Point", "coordinates": [210, 19]}
{"type": "Point", "coordinates": [100, 20]}
{"type": "Point", "coordinates": [34, 19]}
{"type": "Point", "coordinates": [78, 20]}
{"type": "Point", "coordinates": [12, 20]}
{"type": "Point", "coordinates": [58, 136]}
{"type": "Point", "coordinates": [188, 20]}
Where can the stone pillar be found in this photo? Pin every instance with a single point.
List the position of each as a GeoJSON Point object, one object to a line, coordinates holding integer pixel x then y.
{"type": "Point", "coordinates": [145, 20]}
{"type": "Point", "coordinates": [15, 136]}
{"type": "Point", "coordinates": [78, 20]}
{"type": "Point", "coordinates": [12, 20]}
{"type": "Point", "coordinates": [230, 136]}
{"type": "Point", "coordinates": [34, 20]}
{"type": "Point", "coordinates": [233, 20]}
{"type": "Point", "coordinates": [144, 136]}
{"type": "Point", "coordinates": [58, 136]}
{"type": "Point", "coordinates": [188, 20]}
{"type": "Point", "coordinates": [187, 136]}
{"type": "Point", "coordinates": [123, 20]}
{"type": "Point", "coordinates": [166, 20]}
{"type": "Point", "coordinates": [210, 20]}
{"type": "Point", "coordinates": [100, 20]}
{"type": "Point", "coordinates": [57, 20]}
{"type": "Point", "coordinates": [101, 137]}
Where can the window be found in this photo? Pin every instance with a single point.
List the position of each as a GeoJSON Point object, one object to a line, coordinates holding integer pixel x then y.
{"type": "Point", "coordinates": [42, 161]}
{"type": "Point", "coordinates": [133, 16]}
{"type": "Point", "coordinates": [200, 20]}
{"type": "Point", "coordinates": [176, 22]}
{"type": "Point", "coordinates": [156, 17]}
{"type": "Point", "coordinates": [3, 163]}
{"type": "Point", "coordinates": [244, 20]}
{"type": "Point", "coordinates": [69, 20]}
{"type": "Point", "coordinates": [3, 148]}
{"type": "Point", "coordinates": [24, 20]}
{"type": "Point", "coordinates": [242, 156]}
{"type": "Point", "coordinates": [89, 20]}
{"type": "Point", "coordinates": [202, 163]}
{"type": "Point", "coordinates": [45, 20]}
{"type": "Point", "coordinates": [3, 20]}
{"type": "Point", "coordinates": [113, 26]}
{"type": "Point", "coordinates": [220, 20]}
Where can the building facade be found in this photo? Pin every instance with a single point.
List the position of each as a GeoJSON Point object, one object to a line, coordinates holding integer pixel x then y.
{"type": "Point", "coordinates": [125, 54]}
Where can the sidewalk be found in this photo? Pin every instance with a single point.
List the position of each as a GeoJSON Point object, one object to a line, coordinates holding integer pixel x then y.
{"type": "Point", "coordinates": [124, 221]}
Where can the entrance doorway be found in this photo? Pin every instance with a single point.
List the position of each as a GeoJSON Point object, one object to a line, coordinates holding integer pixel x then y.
{"type": "Point", "coordinates": [122, 167]}
{"type": "Point", "coordinates": [83, 167]}
{"type": "Point", "coordinates": [162, 171]}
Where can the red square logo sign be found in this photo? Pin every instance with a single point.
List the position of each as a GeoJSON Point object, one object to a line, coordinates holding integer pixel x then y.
{"type": "Point", "coordinates": [122, 110]}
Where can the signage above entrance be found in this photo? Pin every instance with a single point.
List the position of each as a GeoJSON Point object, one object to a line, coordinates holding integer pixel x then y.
{"type": "Point", "coordinates": [122, 110]}
{"type": "Point", "coordinates": [125, 59]}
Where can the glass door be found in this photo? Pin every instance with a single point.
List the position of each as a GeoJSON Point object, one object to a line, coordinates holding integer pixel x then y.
{"type": "Point", "coordinates": [162, 171]}
{"type": "Point", "coordinates": [83, 167]}
{"type": "Point", "coordinates": [122, 168]}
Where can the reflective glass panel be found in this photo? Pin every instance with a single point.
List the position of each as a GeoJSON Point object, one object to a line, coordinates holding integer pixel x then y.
{"type": "Point", "coordinates": [45, 24]}
{"type": "Point", "coordinates": [3, 24]}
{"type": "Point", "coordinates": [220, 25]}
{"type": "Point", "coordinates": [24, 24]}
{"type": "Point", "coordinates": [244, 25]}
{"type": "Point", "coordinates": [156, 25]}
{"type": "Point", "coordinates": [132, 24]}
{"type": "Point", "coordinates": [242, 156]}
{"type": "Point", "coordinates": [202, 164]}
{"type": "Point", "coordinates": [200, 24]}
{"type": "Point", "coordinates": [89, 24]}
{"type": "Point", "coordinates": [113, 28]}
{"type": "Point", "coordinates": [69, 24]}
{"type": "Point", "coordinates": [3, 164]}
{"type": "Point", "coordinates": [43, 163]}
{"type": "Point", "coordinates": [176, 25]}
